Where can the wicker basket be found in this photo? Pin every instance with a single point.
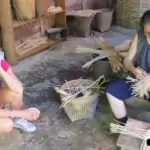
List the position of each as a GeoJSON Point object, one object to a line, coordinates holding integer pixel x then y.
{"type": "Point", "coordinates": [128, 12]}
{"type": "Point", "coordinates": [82, 107]}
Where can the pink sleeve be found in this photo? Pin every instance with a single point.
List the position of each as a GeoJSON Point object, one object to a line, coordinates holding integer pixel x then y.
{"type": "Point", "coordinates": [5, 65]}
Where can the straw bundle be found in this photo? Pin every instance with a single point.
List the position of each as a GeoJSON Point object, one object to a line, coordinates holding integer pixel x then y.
{"type": "Point", "coordinates": [140, 87]}
{"type": "Point", "coordinates": [116, 61]}
{"type": "Point", "coordinates": [114, 54]}
{"type": "Point", "coordinates": [134, 132]}
{"type": "Point", "coordinates": [103, 54]}
{"type": "Point", "coordinates": [84, 49]}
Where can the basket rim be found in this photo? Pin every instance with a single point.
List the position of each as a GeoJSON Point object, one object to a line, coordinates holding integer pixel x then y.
{"type": "Point", "coordinates": [76, 80]}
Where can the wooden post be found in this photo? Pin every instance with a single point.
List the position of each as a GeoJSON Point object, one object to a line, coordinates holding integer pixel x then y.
{"type": "Point", "coordinates": [42, 11]}
{"type": "Point", "coordinates": [7, 32]}
{"type": "Point", "coordinates": [42, 7]}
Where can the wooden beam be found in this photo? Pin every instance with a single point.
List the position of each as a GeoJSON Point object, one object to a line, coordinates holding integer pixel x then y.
{"type": "Point", "coordinates": [7, 31]}
{"type": "Point", "coordinates": [60, 19]}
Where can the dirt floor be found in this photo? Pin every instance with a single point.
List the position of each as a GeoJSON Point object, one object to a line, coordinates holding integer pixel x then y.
{"type": "Point", "coordinates": [56, 132]}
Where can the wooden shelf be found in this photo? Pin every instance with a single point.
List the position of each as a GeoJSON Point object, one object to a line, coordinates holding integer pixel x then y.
{"type": "Point", "coordinates": [17, 24]}
{"type": "Point", "coordinates": [25, 53]}
{"type": "Point", "coordinates": [57, 12]}
{"type": "Point", "coordinates": [16, 32]}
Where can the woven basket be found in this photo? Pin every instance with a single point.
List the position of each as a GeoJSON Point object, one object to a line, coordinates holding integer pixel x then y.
{"type": "Point", "coordinates": [128, 13]}
{"type": "Point", "coordinates": [82, 107]}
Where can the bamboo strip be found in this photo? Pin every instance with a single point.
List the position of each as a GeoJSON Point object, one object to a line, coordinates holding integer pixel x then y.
{"type": "Point", "coordinates": [89, 63]}
{"type": "Point", "coordinates": [140, 87]}
{"type": "Point", "coordinates": [134, 132]}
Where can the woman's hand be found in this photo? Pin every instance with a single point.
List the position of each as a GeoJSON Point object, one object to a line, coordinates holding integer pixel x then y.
{"type": "Point", "coordinates": [139, 73]}
{"type": "Point", "coordinates": [31, 114]}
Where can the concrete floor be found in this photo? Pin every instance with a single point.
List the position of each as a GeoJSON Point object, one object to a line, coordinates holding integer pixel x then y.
{"type": "Point", "coordinates": [55, 132]}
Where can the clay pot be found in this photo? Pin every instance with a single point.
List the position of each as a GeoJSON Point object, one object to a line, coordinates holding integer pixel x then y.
{"type": "Point", "coordinates": [103, 19]}
{"type": "Point", "coordinates": [102, 67]}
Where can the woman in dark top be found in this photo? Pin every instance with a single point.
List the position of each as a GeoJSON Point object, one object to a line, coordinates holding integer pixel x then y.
{"type": "Point", "coordinates": [138, 63]}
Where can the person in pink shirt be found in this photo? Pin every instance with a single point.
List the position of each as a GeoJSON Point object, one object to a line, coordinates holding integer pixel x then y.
{"type": "Point", "coordinates": [11, 92]}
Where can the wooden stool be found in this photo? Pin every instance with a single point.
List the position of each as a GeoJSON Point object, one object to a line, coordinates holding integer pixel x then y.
{"type": "Point", "coordinates": [132, 143]}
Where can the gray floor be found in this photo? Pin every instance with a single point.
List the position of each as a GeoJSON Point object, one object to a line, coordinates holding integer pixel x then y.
{"type": "Point", "coordinates": [38, 74]}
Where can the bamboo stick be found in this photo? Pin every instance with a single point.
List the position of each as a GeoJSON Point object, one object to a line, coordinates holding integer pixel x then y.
{"type": "Point", "coordinates": [7, 31]}
{"type": "Point", "coordinates": [89, 63]}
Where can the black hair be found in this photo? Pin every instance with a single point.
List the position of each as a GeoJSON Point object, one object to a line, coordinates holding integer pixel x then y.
{"type": "Point", "coordinates": [144, 19]}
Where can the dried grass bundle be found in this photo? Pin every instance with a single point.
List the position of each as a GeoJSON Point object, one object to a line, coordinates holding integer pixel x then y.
{"type": "Point", "coordinates": [116, 61]}
{"type": "Point", "coordinates": [103, 54]}
{"type": "Point", "coordinates": [84, 49]}
{"type": "Point", "coordinates": [115, 58]}
{"type": "Point", "coordinates": [134, 132]}
{"type": "Point", "coordinates": [140, 87]}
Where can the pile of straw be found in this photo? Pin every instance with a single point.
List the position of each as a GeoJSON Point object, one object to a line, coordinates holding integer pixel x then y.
{"type": "Point", "coordinates": [134, 132]}
{"type": "Point", "coordinates": [116, 60]}
{"type": "Point", "coordinates": [140, 87]}
{"type": "Point", "coordinates": [114, 54]}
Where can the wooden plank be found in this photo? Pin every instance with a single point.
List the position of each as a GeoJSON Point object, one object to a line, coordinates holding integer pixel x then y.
{"type": "Point", "coordinates": [17, 24]}
{"type": "Point", "coordinates": [33, 51]}
{"type": "Point", "coordinates": [8, 42]}
{"type": "Point", "coordinates": [55, 13]}
{"type": "Point", "coordinates": [60, 3]}
{"type": "Point", "coordinates": [24, 31]}
{"type": "Point", "coordinates": [131, 143]}
{"type": "Point", "coordinates": [60, 19]}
